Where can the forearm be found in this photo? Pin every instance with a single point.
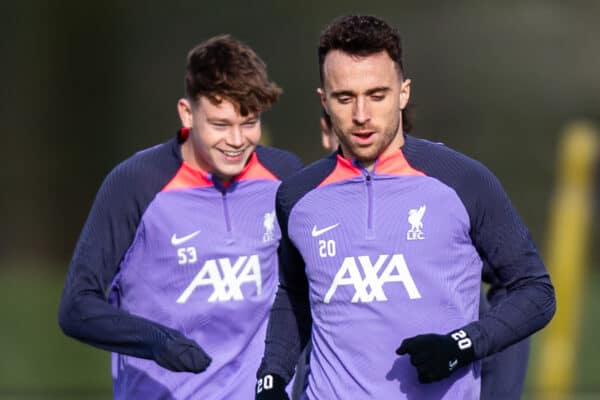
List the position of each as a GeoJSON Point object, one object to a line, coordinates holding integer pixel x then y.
{"type": "Point", "coordinates": [90, 319]}
{"type": "Point", "coordinates": [526, 308]}
{"type": "Point", "coordinates": [288, 333]}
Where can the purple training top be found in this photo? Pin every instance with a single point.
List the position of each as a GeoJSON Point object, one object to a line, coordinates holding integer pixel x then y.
{"type": "Point", "coordinates": [371, 258]}
{"type": "Point", "coordinates": [177, 250]}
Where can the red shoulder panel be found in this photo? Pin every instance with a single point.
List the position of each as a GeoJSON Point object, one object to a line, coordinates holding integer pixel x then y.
{"type": "Point", "coordinates": [255, 170]}
{"type": "Point", "coordinates": [395, 164]}
{"type": "Point", "coordinates": [344, 169]}
{"type": "Point", "coordinates": [187, 178]}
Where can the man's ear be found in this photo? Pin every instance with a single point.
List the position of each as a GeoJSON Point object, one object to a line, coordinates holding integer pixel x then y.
{"type": "Point", "coordinates": [325, 134]}
{"type": "Point", "coordinates": [404, 93]}
{"type": "Point", "coordinates": [322, 98]}
{"type": "Point", "coordinates": [184, 108]}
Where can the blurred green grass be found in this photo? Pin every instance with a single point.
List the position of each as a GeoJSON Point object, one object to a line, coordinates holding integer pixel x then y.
{"type": "Point", "coordinates": [39, 362]}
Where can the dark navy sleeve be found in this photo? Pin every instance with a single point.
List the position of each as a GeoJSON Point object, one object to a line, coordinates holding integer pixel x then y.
{"type": "Point", "coordinates": [503, 242]}
{"type": "Point", "coordinates": [85, 313]}
{"type": "Point", "coordinates": [290, 319]}
{"type": "Point", "coordinates": [282, 163]}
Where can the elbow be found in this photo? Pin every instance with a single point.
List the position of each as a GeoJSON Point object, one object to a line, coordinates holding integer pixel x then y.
{"type": "Point", "coordinates": [543, 300]}
{"type": "Point", "coordinates": [536, 300]}
{"type": "Point", "coordinates": [68, 316]}
{"type": "Point", "coordinates": [550, 303]}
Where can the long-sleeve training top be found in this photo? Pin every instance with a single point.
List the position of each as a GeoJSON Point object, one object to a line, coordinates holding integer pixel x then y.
{"type": "Point", "coordinates": [168, 250]}
{"type": "Point", "coordinates": [369, 258]}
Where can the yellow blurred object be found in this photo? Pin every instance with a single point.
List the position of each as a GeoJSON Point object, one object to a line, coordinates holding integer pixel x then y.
{"type": "Point", "coordinates": [567, 258]}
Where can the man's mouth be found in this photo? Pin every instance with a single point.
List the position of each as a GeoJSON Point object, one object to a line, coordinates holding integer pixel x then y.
{"type": "Point", "coordinates": [233, 153]}
{"type": "Point", "coordinates": [364, 138]}
{"type": "Point", "coordinates": [363, 134]}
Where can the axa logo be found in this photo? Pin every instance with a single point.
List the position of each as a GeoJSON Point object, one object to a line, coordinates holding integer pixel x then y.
{"type": "Point", "coordinates": [368, 277]}
{"type": "Point", "coordinates": [269, 225]}
{"type": "Point", "coordinates": [415, 219]}
{"type": "Point", "coordinates": [226, 278]}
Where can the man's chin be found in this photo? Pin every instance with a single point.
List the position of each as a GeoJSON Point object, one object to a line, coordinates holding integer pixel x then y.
{"type": "Point", "coordinates": [229, 173]}
{"type": "Point", "coordinates": [364, 155]}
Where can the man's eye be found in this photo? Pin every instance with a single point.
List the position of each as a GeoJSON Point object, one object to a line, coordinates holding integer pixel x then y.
{"type": "Point", "coordinates": [344, 99]}
{"type": "Point", "coordinates": [377, 97]}
{"type": "Point", "coordinates": [250, 123]}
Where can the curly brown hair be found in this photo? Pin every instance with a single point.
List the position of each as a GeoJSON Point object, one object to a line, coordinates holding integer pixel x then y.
{"type": "Point", "coordinates": [363, 35]}
{"type": "Point", "coordinates": [225, 68]}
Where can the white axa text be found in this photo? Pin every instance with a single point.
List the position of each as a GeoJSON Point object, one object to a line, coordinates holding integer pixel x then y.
{"type": "Point", "coordinates": [226, 278]}
{"type": "Point", "coordinates": [370, 288]}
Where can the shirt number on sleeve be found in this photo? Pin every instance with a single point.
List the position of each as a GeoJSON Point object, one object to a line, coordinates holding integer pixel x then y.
{"type": "Point", "coordinates": [462, 339]}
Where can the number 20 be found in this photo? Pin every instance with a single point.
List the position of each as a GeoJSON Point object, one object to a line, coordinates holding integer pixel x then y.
{"type": "Point", "coordinates": [326, 248]}
{"type": "Point", "coordinates": [461, 338]}
{"type": "Point", "coordinates": [265, 383]}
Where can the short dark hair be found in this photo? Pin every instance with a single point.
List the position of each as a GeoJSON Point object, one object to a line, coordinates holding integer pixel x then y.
{"type": "Point", "coordinates": [225, 68]}
{"type": "Point", "coordinates": [360, 35]}
{"type": "Point", "coordinates": [363, 35]}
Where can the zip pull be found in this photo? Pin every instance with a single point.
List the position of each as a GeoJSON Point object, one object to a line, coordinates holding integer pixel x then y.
{"type": "Point", "coordinates": [370, 233]}
{"type": "Point", "coordinates": [368, 176]}
{"type": "Point", "coordinates": [227, 215]}
{"type": "Point", "coordinates": [370, 228]}
{"type": "Point", "coordinates": [224, 188]}
{"type": "Point", "coordinates": [220, 186]}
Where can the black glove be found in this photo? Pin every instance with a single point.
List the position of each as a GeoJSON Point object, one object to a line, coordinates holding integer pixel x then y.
{"type": "Point", "coordinates": [436, 356]}
{"type": "Point", "coordinates": [271, 387]}
{"type": "Point", "coordinates": [180, 354]}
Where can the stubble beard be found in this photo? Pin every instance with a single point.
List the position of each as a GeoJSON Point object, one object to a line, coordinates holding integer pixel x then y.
{"type": "Point", "coordinates": [368, 155]}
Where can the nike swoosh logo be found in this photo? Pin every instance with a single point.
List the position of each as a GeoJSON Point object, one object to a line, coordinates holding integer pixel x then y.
{"type": "Point", "coordinates": [175, 241]}
{"type": "Point", "coordinates": [452, 364]}
{"type": "Point", "coordinates": [318, 232]}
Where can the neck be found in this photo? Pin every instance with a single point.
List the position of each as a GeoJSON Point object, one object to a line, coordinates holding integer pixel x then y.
{"type": "Point", "coordinates": [395, 144]}
{"type": "Point", "coordinates": [189, 155]}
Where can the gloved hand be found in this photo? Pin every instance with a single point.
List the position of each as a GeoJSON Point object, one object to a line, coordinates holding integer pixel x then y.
{"type": "Point", "coordinates": [271, 387]}
{"type": "Point", "coordinates": [436, 356]}
{"type": "Point", "coordinates": [180, 354]}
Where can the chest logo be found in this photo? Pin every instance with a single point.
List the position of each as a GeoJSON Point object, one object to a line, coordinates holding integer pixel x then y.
{"type": "Point", "coordinates": [269, 225]}
{"type": "Point", "coordinates": [415, 219]}
{"type": "Point", "coordinates": [368, 278]}
{"type": "Point", "coordinates": [318, 232]}
{"type": "Point", "coordinates": [176, 241]}
{"type": "Point", "coordinates": [226, 276]}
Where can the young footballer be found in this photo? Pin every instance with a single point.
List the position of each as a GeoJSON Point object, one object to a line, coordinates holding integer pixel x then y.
{"type": "Point", "coordinates": [383, 245]}
{"type": "Point", "coordinates": [175, 269]}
